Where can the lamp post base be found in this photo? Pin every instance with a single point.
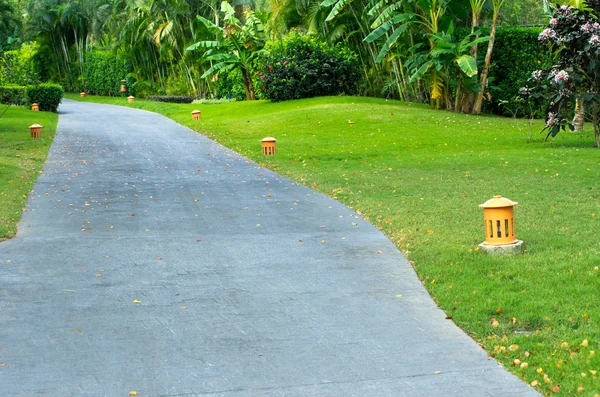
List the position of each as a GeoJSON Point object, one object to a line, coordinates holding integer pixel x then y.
{"type": "Point", "coordinates": [508, 249]}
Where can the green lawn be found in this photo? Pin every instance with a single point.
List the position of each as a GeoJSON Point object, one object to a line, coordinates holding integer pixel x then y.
{"type": "Point", "coordinates": [21, 159]}
{"type": "Point", "coordinates": [419, 176]}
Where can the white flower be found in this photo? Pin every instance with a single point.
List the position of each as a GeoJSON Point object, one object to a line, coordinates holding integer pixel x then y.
{"type": "Point", "coordinates": [537, 74]}
{"type": "Point", "coordinates": [595, 40]}
{"type": "Point", "coordinates": [551, 119]}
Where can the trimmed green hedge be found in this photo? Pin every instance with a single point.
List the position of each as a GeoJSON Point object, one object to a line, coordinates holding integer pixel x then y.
{"type": "Point", "coordinates": [173, 98]}
{"type": "Point", "coordinates": [48, 96]}
{"type": "Point", "coordinates": [104, 71]}
{"type": "Point", "coordinates": [20, 67]}
{"type": "Point", "coordinates": [13, 95]}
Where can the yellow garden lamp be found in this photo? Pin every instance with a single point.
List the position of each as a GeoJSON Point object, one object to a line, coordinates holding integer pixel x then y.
{"type": "Point", "coordinates": [499, 225]}
{"type": "Point", "coordinates": [196, 115]}
{"type": "Point", "coordinates": [268, 146]}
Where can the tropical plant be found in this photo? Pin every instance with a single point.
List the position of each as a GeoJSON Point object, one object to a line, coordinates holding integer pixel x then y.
{"type": "Point", "coordinates": [234, 46]}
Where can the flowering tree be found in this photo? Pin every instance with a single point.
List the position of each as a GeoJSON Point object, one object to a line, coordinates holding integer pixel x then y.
{"type": "Point", "coordinates": [573, 34]}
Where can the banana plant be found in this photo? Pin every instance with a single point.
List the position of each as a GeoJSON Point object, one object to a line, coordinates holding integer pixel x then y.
{"type": "Point", "coordinates": [234, 45]}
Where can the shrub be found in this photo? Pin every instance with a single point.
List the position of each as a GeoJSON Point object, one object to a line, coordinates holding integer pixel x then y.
{"type": "Point", "coordinates": [48, 96]}
{"type": "Point", "coordinates": [104, 71]}
{"type": "Point", "coordinates": [305, 67]}
{"type": "Point", "coordinates": [173, 98]}
{"type": "Point", "coordinates": [20, 66]}
{"type": "Point", "coordinates": [231, 85]}
{"type": "Point", "coordinates": [13, 95]}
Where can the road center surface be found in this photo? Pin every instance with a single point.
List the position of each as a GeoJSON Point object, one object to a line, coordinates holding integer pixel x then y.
{"type": "Point", "coordinates": [152, 259]}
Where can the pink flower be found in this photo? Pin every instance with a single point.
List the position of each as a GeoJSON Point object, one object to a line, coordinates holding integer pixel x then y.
{"type": "Point", "coordinates": [561, 76]}
{"type": "Point", "coordinates": [546, 34]}
{"type": "Point", "coordinates": [595, 40]}
{"type": "Point", "coordinates": [553, 22]}
{"type": "Point", "coordinates": [551, 119]}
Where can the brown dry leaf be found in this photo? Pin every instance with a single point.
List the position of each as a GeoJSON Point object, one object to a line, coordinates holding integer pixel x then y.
{"type": "Point", "coordinates": [534, 383]}
{"type": "Point", "coordinates": [198, 239]}
{"type": "Point", "coordinates": [322, 241]}
{"type": "Point", "coordinates": [158, 258]}
{"type": "Point", "coordinates": [513, 348]}
{"type": "Point", "coordinates": [524, 365]}
{"type": "Point", "coordinates": [437, 372]}
{"type": "Point", "coordinates": [499, 310]}
{"type": "Point", "coordinates": [564, 345]}
{"type": "Point", "coordinates": [137, 302]}
{"type": "Point", "coordinates": [555, 388]}
{"type": "Point", "coordinates": [430, 232]}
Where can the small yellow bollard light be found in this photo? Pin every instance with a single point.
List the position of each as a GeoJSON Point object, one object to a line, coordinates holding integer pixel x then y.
{"type": "Point", "coordinates": [82, 95]}
{"type": "Point", "coordinates": [35, 131]}
{"type": "Point", "coordinates": [196, 115]}
{"type": "Point", "coordinates": [268, 146]}
{"type": "Point", "coordinates": [123, 88]}
{"type": "Point", "coordinates": [499, 224]}
{"type": "Point", "coordinates": [130, 99]}
{"type": "Point", "coordinates": [35, 107]}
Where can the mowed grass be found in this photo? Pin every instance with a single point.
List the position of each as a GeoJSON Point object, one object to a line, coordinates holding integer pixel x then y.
{"type": "Point", "coordinates": [419, 175]}
{"type": "Point", "coordinates": [21, 160]}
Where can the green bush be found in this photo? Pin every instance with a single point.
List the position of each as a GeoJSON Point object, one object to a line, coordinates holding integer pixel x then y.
{"type": "Point", "coordinates": [104, 71]}
{"type": "Point", "coordinates": [231, 85]}
{"type": "Point", "coordinates": [13, 95]}
{"type": "Point", "coordinates": [20, 67]}
{"type": "Point", "coordinates": [48, 96]}
{"type": "Point", "coordinates": [304, 67]}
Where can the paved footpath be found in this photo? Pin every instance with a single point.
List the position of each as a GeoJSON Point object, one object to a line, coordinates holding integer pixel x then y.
{"type": "Point", "coordinates": [151, 259]}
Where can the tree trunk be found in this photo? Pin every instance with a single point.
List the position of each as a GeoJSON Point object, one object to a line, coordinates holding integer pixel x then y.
{"type": "Point", "coordinates": [248, 85]}
{"type": "Point", "coordinates": [488, 61]}
{"type": "Point", "coordinates": [579, 118]}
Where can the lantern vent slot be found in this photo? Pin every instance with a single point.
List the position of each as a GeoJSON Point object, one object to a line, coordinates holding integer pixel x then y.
{"type": "Point", "coordinates": [499, 230]}
{"type": "Point", "coordinates": [491, 229]}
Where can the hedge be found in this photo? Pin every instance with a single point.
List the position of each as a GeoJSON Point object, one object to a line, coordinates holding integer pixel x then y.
{"type": "Point", "coordinates": [305, 67]}
{"type": "Point", "coordinates": [13, 95]}
{"type": "Point", "coordinates": [48, 96]}
{"type": "Point", "coordinates": [20, 67]}
{"type": "Point", "coordinates": [104, 71]}
{"type": "Point", "coordinates": [173, 98]}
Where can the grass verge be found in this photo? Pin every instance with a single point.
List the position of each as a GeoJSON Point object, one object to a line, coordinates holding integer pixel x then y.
{"type": "Point", "coordinates": [21, 160]}
{"type": "Point", "coordinates": [419, 176]}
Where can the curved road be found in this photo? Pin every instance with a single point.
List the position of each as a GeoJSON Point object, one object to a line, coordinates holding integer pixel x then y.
{"type": "Point", "coordinates": [151, 259]}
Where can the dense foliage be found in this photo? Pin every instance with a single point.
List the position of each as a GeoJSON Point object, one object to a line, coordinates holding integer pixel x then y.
{"type": "Point", "coordinates": [517, 53]}
{"type": "Point", "coordinates": [47, 96]}
{"type": "Point", "coordinates": [13, 95]}
{"type": "Point", "coordinates": [305, 67]}
{"type": "Point", "coordinates": [20, 66]}
{"type": "Point", "coordinates": [104, 71]}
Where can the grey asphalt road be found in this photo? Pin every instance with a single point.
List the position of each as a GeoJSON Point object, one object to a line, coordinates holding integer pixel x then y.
{"type": "Point", "coordinates": [151, 259]}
